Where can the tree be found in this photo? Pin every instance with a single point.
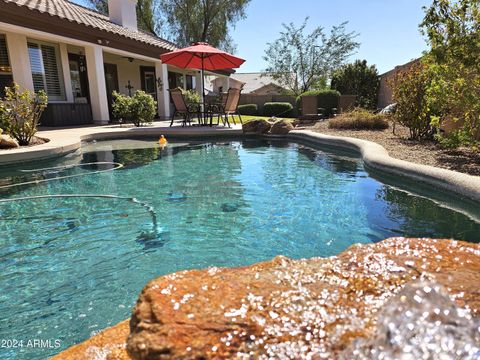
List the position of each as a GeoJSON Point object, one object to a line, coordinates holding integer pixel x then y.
{"type": "Point", "coordinates": [298, 60]}
{"type": "Point", "coordinates": [145, 14]}
{"type": "Point", "coordinates": [358, 79]}
{"type": "Point", "coordinates": [188, 21]}
{"type": "Point", "coordinates": [453, 32]}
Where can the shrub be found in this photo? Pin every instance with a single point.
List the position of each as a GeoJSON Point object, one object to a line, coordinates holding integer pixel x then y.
{"type": "Point", "coordinates": [144, 108]}
{"type": "Point", "coordinates": [20, 113]}
{"type": "Point", "coordinates": [326, 99]}
{"type": "Point", "coordinates": [248, 109]}
{"type": "Point", "coordinates": [410, 92]}
{"type": "Point", "coordinates": [453, 33]}
{"type": "Point", "coordinates": [460, 137]}
{"type": "Point", "coordinates": [359, 119]}
{"type": "Point", "coordinates": [122, 106]}
{"type": "Point", "coordinates": [138, 109]}
{"type": "Point", "coordinates": [191, 96]}
{"type": "Point", "coordinates": [282, 109]}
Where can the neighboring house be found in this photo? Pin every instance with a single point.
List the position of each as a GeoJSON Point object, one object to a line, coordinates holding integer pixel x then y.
{"type": "Point", "coordinates": [385, 92]}
{"type": "Point", "coordinates": [253, 83]}
{"type": "Point", "coordinates": [79, 57]}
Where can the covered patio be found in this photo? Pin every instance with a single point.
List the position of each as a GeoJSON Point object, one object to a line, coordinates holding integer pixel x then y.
{"type": "Point", "coordinates": [79, 57]}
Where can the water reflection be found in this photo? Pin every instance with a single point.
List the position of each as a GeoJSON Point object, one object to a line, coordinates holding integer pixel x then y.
{"type": "Point", "coordinates": [422, 217]}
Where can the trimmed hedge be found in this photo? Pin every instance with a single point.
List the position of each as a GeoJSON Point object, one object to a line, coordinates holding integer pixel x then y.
{"type": "Point", "coordinates": [326, 99]}
{"type": "Point", "coordinates": [248, 109]}
{"type": "Point", "coordinates": [281, 109]}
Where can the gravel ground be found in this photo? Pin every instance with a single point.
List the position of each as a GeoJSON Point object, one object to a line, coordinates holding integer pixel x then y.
{"type": "Point", "coordinates": [422, 152]}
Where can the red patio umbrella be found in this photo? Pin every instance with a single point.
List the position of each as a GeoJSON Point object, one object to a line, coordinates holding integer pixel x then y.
{"type": "Point", "coordinates": [201, 56]}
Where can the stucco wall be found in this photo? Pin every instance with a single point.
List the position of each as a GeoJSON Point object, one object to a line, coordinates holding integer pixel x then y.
{"type": "Point", "coordinates": [385, 92]}
{"type": "Point", "coordinates": [126, 71]}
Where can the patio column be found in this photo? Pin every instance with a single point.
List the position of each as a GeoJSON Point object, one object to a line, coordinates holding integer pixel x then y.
{"type": "Point", "coordinates": [96, 84]}
{"type": "Point", "coordinates": [20, 60]}
{"type": "Point", "coordinates": [161, 72]}
{"type": "Point", "coordinates": [198, 82]}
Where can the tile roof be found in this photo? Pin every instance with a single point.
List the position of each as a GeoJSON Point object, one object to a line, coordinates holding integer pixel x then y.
{"type": "Point", "coordinates": [69, 11]}
{"type": "Point", "coordinates": [254, 81]}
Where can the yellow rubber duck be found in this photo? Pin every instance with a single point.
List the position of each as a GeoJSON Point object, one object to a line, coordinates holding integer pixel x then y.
{"type": "Point", "coordinates": [162, 141]}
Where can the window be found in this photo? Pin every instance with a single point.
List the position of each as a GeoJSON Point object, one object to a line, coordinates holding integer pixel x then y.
{"type": "Point", "coordinates": [46, 69]}
{"type": "Point", "coordinates": [6, 77]}
{"type": "Point", "coordinates": [78, 74]}
{"type": "Point", "coordinates": [189, 79]}
{"type": "Point", "coordinates": [175, 80]}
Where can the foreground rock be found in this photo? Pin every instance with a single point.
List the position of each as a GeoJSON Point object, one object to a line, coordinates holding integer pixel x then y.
{"type": "Point", "coordinates": [306, 308]}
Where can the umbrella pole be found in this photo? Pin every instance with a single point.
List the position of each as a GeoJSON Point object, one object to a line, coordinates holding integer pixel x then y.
{"type": "Point", "coordinates": [203, 92]}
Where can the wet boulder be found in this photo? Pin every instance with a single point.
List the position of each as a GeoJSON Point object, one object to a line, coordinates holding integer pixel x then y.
{"type": "Point", "coordinates": [301, 308]}
{"type": "Point", "coordinates": [353, 305]}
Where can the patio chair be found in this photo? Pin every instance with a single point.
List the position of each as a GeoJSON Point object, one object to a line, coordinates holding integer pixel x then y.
{"type": "Point", "coordinates": [229, 107]}
{"type": "Point", "coordinates": [182, 108]}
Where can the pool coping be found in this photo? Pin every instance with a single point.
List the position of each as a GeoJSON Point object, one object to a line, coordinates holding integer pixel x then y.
{"type": "Point", "coordinates": [374, 156]}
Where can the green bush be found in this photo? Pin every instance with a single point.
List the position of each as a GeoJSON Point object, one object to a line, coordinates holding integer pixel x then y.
{"type": "Point", "coordinates": [326, 99]}
{"type": "Point", "coordinates": [138, 109]}
{"type": "Point", "coordinates": [20, 113]}
{"type": "Point", "coordinates": [359, 119]}
{"type": "Point", "coordinates": [452, 30]}
{"type": "Point", "coordinates": [414, 109]}
{"type": "Point", "coordinates": [248, 109]}
{"type": "Point", "coordinates": [460, 137]}
{"type": "Point", "coordinates": [191, 96]}
{"type": "Point", "coordinates": [281, 109]}
{"type": "Point", "coordinates": [122, 106]}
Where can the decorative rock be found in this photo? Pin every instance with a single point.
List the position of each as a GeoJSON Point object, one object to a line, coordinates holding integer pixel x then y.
{"type": "Point", "coordinates": [6, 142]}
{"type": "Point", "coordinates": [257, 126]}
{"type": "Point", "coordinates": [302, 308]}
{"type": "Point", "coordinates": [281, 127]}
{"type": "Point", "coordinates": [293, 309]}
{"type": "Point", "coordinates": [108, 344]}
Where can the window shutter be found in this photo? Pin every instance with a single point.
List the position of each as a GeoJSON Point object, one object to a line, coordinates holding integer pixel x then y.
{"type": "Point", "coordinates": [52, 80]}
{"type": "Point", "coordinates": [36, 65]}
{"type": "Point", "coordinates": [6, 78]}
{"type": "Point", "coordinates": [46, 69]}
{"type": "Point", "coordinates": [3, 52]}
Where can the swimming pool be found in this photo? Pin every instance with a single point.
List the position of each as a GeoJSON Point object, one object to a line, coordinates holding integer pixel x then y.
{"type": "Point", "coordinates": [74, 264]}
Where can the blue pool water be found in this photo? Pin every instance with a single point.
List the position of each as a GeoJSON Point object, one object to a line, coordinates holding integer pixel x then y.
{"type": "Point", "coordinates": [71, 266]}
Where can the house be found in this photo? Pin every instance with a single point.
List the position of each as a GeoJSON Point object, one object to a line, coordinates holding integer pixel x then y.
{"type": "Point", "coordinates": [256, 83]}
{"type": "Point", "coordinates": [79, 57]}
{"type": "Point", "coordinates": [385, 92]}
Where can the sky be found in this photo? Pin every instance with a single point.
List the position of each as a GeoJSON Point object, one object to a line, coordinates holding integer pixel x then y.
{"type": "Point", "coordinates": [388, 29]}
